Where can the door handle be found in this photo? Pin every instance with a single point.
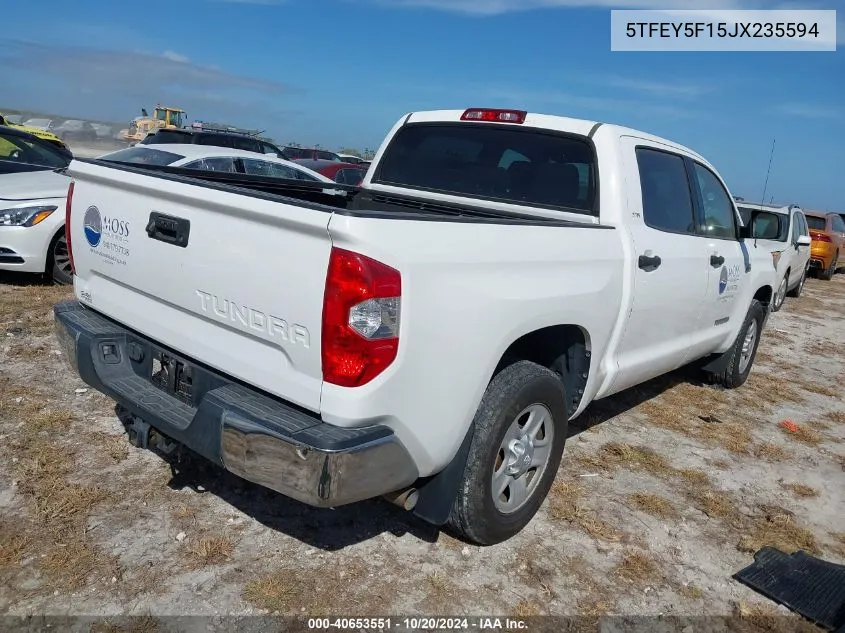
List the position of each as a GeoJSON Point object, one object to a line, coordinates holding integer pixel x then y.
{"type": "Point", "coordinates": [169, 229]}
{"type": "Point", "coordinates": [716, 260]}
{"type": "Point", "coordinates": [648, 264]}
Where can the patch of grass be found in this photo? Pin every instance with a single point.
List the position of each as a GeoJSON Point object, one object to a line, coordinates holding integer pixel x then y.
{"type": "Point", "coordinates": [32, 305]}
{"type": "Point", "coordinates": [596, 607]}
{"type": "Point", "coordinates": [770, 452]}
{"type": "Point", "coordinates": [803, 491]}
{"type": "Point", "coordinates": [525, 609]}
{"type": "Point", "coordinates": [564, 505]}
{"type": "Point", "coordinates": [637, 567]}
{"type": "Point", "coordinates": [116, 448]}
{"type": "Point", "coordinates": [838, 543]}
{"type": "Point", "coordinates": [288, 590]}
{"type": "Point", "coordinates": [817, 348]}
{"type": "Point", "coordinates": [653, 504]}
{"type": "Point", "coordinates": [715, 504]}
{"type": "Point", "coordinates": [816, 387]}
{"type": "Point", "coordinates": [280, 592]}
{"type": "Point", "coordinates": [129, 624]}
{"type": "Point", "coordinates": [14, 542]}
{"type": "Point", "coordinates": [693, 476]}
{"type": "Point", "coordinates": [752, 618]}
{"type": "Point", "coordinates": [836, 416]}
{"type": "Point", "coordinates": [56, 533]}
{"type": "Point", "coordinates": [211, 550]}
{"type": "Point", "coordinates": [678, 410]}
{"type": "Point", "coordinates": [73, 561]}
{"type": "Point", "coordinates": [47, 420]}
{"type": "Point", "coordinates": [765, 389]}
{"type": "Point", "coordinates": [636, 457]}
{"type": "Point", "coordinates": [801, 433]}
{"type": "Point", "coordinates": [690, 591]}
{"type": "Point", "coordinates": [26, 352]}
{"type": "Point", "coordinates": [185, 514]}
{"type": "Point", "coordinates": [776, 527]}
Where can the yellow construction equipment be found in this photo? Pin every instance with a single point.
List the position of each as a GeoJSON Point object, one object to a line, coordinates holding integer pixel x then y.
{"type": "Point", "coordinates": [163, 117]}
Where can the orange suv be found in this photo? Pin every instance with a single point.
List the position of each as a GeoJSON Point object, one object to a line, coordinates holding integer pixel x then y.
{"type": "Point", "coordinates": [827, 253]}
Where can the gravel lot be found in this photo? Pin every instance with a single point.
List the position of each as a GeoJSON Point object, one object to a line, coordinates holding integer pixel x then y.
{"type": "Point", "coordinates": [653, 510]}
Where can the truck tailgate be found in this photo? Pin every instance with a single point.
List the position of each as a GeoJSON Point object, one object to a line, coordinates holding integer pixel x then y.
{"type": "Point", "coordinates": [232, 280]}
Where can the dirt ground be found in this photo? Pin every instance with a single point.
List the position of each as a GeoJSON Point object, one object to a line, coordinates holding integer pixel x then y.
{"type": "Point", "coordinates": [664, 493]}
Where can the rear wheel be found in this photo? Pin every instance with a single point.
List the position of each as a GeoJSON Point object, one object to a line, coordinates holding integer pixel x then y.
{"type": "Point", "coordinates": [827, 275]}
{"type": "Point", "coordinates": [58, 266]}
{"type": "Point", "coordinates": [744, 350]}
{"type": "Point", "coordinates": [796, 291]}
{"type": "Point", "coordinates": [780, 295]}
{"type": "Point", "coordinates": [517, 444]}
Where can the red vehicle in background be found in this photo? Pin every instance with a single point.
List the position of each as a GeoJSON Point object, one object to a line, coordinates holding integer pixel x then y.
{"type": "Point", "coordinates": [343, 173]}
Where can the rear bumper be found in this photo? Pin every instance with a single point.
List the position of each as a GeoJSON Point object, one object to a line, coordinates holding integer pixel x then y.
{"type": "Point", "coordinates": [821, 255]}
{"type": "Point", "coordinates": [249, 433]}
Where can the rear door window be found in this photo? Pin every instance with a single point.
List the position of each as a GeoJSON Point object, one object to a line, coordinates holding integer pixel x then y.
{"type": "Point", "coordinates": [498, 163]}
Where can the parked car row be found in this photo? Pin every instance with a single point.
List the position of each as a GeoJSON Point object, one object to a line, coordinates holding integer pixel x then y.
{"type": "Point", "coordinates": [70, 130]}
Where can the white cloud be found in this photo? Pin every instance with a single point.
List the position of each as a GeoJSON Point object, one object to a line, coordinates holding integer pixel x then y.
{"type": "Point", "coordinates": [568, 104]}
{"type": "Point", "coordinates": [658, 88]}
{"type": "Point", "coordinates": [496, 7]}
{"type": "Point", "coordinates": [175, 57]}
{"type": "Point", "coordinates": [126, 81]}
{"type": "Point", "coordinates": [811, 111]}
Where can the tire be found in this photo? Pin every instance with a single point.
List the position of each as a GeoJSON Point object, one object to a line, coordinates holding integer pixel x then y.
{"type": "Point", "coordinates": [796, 291]}
{"type": "Point", "coordinates": [522, 392]}
{"type": "Point", "coordinates": [827, 275]}
{"type": "Point", "coordinates": [58, 261]}
{"type": "Point", "coordinates": [739, 363]}
{"type": "Point", "coordinates": [780, 295]}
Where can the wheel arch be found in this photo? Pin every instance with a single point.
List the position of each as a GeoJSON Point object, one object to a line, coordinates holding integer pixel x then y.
{"type": "Point", "coordinates": [563, 348]}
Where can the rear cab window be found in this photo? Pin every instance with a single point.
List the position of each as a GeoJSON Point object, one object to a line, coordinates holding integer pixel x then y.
{"type": "Point", "coordinates": [162, 137]}
{"type": "Point", "coordinates": [523, 166]}
{"type": "Point", "coordinates": [816, 223]}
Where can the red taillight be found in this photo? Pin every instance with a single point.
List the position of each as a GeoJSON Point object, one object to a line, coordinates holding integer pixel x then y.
{"type": "Point", "coordinates": [67, 226]}
{"type": "Point", "coordinates": [360, 318]}
{"type": "Point", "coordinates": [494, 116]}
{"type": "Point", "coordinates": [820, 237]}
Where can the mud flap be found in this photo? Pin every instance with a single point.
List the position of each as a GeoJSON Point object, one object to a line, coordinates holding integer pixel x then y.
{"type": "Point", "coordinates": [437, 493]}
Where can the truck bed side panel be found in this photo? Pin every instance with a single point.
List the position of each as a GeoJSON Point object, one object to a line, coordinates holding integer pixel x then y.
{"type": "Point", "coordinates": [468, 292]}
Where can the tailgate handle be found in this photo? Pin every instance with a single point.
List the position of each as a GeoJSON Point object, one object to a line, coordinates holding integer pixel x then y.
{"type": "Point", "coordinates": [169, 229]}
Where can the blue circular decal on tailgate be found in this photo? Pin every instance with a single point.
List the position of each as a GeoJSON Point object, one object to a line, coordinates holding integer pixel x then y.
{"type": "Point", "coordinates": [93, 224]}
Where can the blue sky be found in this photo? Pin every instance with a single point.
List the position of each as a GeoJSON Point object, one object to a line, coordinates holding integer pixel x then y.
{"type": "Point", "coordinates": [341, 72]}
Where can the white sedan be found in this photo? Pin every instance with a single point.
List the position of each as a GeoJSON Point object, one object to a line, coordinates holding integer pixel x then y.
{"type": "Point", "coordinates": [210, 158]}
{"type": "Point", "coordinates": [32, 206]}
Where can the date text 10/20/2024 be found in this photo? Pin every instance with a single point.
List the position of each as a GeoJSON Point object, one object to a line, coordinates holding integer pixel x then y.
{"type": "Point", "coordinates": [420, 623]}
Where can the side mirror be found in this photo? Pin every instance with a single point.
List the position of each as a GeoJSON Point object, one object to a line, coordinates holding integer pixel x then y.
{"type": "Point", "coordinates": [804, 240]}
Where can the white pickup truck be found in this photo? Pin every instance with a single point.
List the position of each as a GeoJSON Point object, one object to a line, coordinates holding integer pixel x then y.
{"type": "Point", "coordinates": [428, 336]}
